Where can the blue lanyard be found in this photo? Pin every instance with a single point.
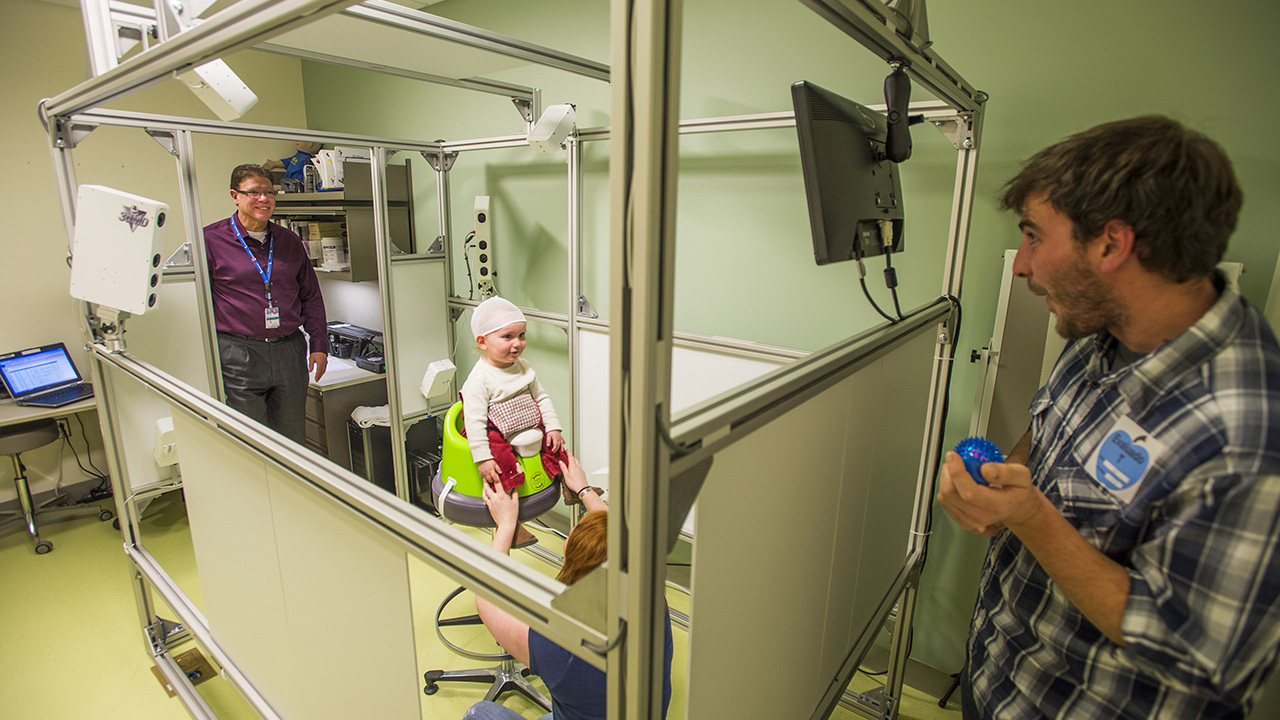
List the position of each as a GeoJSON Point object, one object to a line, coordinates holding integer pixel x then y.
{"type": "Point", "coordinates": [271, 252]}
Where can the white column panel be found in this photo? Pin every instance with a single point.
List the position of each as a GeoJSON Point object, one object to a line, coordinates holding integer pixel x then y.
{"type": "Point", "coordinates": [420, 320]}
{"type": "Point", "coordinates": [836, 478]}
{"type": "Point", "coordinates": [309, 602]}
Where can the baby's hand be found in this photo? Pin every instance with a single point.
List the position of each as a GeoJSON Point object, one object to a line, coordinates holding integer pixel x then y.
{"type": "Point", "coordinates": [489, 471]}
{"type": "Point", "coordinates": [553, 441]}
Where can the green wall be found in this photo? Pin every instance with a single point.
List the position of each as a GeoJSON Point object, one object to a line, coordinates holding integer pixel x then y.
{"type": "Point", "coordinates": [744, 265]}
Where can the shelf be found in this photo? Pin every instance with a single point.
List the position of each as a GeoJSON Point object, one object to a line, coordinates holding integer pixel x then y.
{"type": "Point", "coordinates": [354, 205]}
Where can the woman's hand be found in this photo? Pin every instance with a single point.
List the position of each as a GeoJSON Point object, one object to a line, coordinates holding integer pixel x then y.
{"type": "Point", "coordinates": [504, 507]}
{"type": "Point", "coordinates": [553, 441]}
{"type": "Point", "coordinates": [574, 476]}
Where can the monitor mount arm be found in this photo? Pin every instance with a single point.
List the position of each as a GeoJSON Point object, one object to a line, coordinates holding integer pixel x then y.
{"type": "Point", "coordinates": [897, 98]}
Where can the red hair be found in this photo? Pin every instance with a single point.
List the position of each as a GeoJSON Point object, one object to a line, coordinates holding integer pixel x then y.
{"type": "Point", "coordinates": [586, 547]}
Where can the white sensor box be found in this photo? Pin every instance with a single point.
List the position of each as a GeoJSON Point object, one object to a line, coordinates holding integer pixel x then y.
{"type": "Point", "coordinates": [484, 245]}
{"type": "Point", "coordinates": [115, 255]}
{"type": "Point", "coordinates": [552, 128]}
{"type": "Point", "coordinates": [218, 87]}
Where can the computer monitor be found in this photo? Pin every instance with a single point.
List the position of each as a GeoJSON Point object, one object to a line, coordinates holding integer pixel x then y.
{"type": "Point", "coordinates": [849, 183]}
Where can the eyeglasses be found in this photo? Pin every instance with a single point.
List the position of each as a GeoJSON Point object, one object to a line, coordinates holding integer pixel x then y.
{"type": "Point", "coordinates": [258, 193]}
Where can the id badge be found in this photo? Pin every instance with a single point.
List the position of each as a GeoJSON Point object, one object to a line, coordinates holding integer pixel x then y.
{"type": "Point", "coordinates": [1123, 458]}
{"type": "Point", "coordinates": [273, 317]}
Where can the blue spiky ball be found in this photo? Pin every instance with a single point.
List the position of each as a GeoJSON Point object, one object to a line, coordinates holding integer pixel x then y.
{"type": "Point", "coordinates": [975, 451]}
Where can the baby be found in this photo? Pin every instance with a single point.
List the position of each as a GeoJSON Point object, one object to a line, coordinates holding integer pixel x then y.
{"type": "Point", "coordinates": [505, 410]}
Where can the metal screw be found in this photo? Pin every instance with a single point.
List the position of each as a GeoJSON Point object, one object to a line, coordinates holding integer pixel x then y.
{"type": "Point", "coordinates": [943, 338]}
{"type": "Point", "coordinates": [968, 143]}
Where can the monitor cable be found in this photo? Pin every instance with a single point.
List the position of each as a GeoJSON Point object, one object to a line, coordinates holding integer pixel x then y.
{"type": "Point", "coordinates": [890, 275]}
{"type": "Point", "coordinates": [471, 284]}
{"type": "Point", "coordinates": [862, 280]}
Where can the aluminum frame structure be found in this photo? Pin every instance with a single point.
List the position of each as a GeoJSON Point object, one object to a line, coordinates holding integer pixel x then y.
{"type": "Point", "coordinates": [659, 459]}
{"type": "Point", "coordinates": [646, 44]}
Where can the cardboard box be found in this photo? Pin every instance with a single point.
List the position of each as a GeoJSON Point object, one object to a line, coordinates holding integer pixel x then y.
{"type": "Point", "coordinates": [320, 230]}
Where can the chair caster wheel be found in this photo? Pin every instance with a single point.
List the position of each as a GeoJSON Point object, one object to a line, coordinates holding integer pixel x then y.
{"type": "Point", "coordinates": [106, 515]}
{"type": "Point", "coordinates": [116, 523]}
{"type": "Point", "coordinates": [44, 547]}
{"type": "Point", "coordinates": [430, 678]}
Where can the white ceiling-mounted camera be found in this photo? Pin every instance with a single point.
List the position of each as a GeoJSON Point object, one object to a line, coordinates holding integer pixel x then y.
{"type": "Point", "coordinates": [552, 128]}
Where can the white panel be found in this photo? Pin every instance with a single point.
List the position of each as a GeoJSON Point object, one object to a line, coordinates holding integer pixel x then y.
{"type": "Point", "coordinates": [384, 45]}
{"type": "Point", "coordinates": [136, 411]}
{"type": "Point", "coordinates": [420, 319]}
{"type": "Point", "coordinates": [229, 508]}
{"type": "Point", "coordinates": [696, 375]}
{"type": "Point", "coordinates": [593, 401]}
{"type": "Point", "coordinates": [350, 623]}
{"type": "Point", "coordinates": [838, 474]}
{"type": "Point", "coordinates": [357, 303]}
{"type": "Point", "coordinates": [305, 600]}
{"type": "Point", "coordinates": [169, 337]}
{"type": "Point", "coordinates": [796, 485]}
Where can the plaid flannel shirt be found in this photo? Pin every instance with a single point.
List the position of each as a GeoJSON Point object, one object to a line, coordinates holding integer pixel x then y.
{"type": "Point", "coordinates": [1199, 537]}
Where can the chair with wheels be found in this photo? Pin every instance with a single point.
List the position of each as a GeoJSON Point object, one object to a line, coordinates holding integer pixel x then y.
{"type": "Point", "coordinates": [457, 490]}
{"type": "Point", "coordinates": [506, 676]}
{"type": "Point", "coordinates": [23, 437]}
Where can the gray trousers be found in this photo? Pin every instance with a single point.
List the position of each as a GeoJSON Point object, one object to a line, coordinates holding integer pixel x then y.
{"type": "Point", "coordinates": [267, 381]}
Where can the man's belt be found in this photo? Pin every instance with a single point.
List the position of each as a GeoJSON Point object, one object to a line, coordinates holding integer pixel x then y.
{"type": "Point", "coordinates": [258, 339]}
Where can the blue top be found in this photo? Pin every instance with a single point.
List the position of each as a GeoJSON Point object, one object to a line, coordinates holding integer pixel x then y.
{"type": "Point", "coordinates": [1170, 466]}
{"type": "Point", "coordinates": [577, 688]}
{"type": "Point", "coordinates": [293, 166]}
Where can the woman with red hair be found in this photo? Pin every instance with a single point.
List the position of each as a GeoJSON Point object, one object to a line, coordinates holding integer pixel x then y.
{"type": "Point", "coordinates": [577, 688]}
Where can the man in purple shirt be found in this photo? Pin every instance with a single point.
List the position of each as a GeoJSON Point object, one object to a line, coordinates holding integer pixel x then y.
{"type": "Point", "coordinates": [264, 292]}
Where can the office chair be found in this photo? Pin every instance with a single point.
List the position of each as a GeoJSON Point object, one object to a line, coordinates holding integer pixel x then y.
{"type": "Point", "coordinates": [506, 676]}
{"type": "Point", "coordinates": [20, 438]}
{"type": "Point", "coordinates": [457, 489]}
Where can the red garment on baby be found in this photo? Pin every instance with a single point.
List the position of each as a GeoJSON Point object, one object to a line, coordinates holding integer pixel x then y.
{"type": "Point", "coordinates": [509, 469]}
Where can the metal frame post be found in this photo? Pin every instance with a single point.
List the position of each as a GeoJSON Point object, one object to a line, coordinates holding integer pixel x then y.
{"type": "Point", "coordinates": [642, 178]}
{"type": "Point", "coordinates": [382, 248]}
{"type": "Point", "coordinates": [185, 154]}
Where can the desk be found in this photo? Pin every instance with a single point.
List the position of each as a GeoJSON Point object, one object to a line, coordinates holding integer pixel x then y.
{"type": "Point", "coordinates": [330, 401]}
{"type": "Point", "coordinates": [11, 413]}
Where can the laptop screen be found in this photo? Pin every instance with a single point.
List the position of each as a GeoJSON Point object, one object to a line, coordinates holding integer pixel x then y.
{"type": "Point", "coordinates": [38, 369]}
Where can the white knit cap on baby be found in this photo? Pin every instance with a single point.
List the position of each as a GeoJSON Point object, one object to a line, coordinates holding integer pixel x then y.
{"type": "Point", "coordinates": [494, 314]}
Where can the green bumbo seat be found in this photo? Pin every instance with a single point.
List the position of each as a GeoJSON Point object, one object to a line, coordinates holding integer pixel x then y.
{"type": "Point", "coordinates": [459, 480]}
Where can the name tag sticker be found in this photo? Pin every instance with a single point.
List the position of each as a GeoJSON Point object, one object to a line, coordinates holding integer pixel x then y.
{"type": "Point", "coordinates": [1124, 458]}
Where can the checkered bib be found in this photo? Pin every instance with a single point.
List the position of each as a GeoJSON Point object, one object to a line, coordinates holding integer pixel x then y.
{"type": "Point", "coordinates": [512, 416]}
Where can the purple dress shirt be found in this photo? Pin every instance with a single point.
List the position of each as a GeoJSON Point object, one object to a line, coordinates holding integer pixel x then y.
{"type": "Point", "coordinates": [239, 297]}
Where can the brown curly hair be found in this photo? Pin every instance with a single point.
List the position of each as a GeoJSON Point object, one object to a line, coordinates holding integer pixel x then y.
{"type": "Point", "coordinates": [1174, 186]}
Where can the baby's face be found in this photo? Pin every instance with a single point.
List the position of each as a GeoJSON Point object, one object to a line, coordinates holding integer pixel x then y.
{"type": "Point", "coordinates": [503, 347]}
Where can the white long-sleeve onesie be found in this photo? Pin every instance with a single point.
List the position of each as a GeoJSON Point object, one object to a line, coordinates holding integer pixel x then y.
{"type": "Point", "coordinates": [487, 385]}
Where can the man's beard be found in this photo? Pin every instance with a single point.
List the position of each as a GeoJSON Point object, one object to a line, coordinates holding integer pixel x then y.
{"type": "Point", "coordinates": [1082, 303]}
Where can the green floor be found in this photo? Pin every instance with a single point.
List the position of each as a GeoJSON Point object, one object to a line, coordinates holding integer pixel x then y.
{"type": "Point", "coordinates": [71, 647]}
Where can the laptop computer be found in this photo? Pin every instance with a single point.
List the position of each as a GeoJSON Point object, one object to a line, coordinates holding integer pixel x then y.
{"type": "Point", "coordinates": [43, 377]}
